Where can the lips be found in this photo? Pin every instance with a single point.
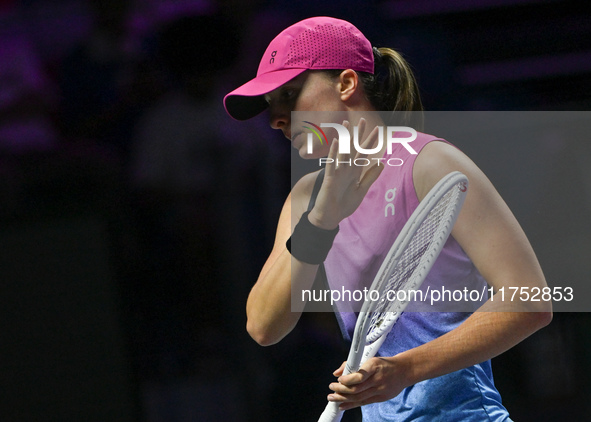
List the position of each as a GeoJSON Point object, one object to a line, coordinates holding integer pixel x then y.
{"type": "Point", "coordinates": [297, 139]}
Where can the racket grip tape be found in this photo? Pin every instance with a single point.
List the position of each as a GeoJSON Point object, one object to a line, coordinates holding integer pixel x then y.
{"type": "Point", "coordinates": [331, 413]}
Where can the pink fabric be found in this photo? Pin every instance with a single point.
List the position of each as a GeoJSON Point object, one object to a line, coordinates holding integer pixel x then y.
{"type": "Point", "coordinates": [366, 236]}
{"type": "Point", "coordinates": [314, 43]}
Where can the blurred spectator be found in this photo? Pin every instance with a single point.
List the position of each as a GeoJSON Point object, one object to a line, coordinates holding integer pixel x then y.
{"type": "Point", "coordinates": [176, 139]}
{"type": "Point", "coordinates": [175, 157]}
{"type": "Point", "coordinates": [27, 99]}
{"type": "Point", "coordinates": [175, 170]}
{"type": "Point", "coordinates": [104, 82]}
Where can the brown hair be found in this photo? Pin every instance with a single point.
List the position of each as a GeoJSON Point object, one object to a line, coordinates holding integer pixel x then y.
{"type": "Point", "coordinates": [392, 86]}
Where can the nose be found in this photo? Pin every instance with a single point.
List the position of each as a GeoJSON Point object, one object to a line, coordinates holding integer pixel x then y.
{"type": "Point", "coordinates": [278, 118]}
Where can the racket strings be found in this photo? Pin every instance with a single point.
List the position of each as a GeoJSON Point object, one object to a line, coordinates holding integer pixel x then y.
{"type": "Point", "coordinates": [404, 274]}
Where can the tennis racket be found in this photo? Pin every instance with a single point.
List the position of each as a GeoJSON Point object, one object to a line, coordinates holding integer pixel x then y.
{"type": "Point", "coordinates": [405, 268]}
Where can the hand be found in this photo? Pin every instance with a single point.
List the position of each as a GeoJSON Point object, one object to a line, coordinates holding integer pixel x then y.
{"type": "Point", "coordinates": [378, 379]}
{"type": "Point", "coordinates": [345, 185]}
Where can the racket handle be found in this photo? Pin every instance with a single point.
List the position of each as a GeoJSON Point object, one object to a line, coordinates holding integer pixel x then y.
{"type": "Point", "coordinates": [331, 413]}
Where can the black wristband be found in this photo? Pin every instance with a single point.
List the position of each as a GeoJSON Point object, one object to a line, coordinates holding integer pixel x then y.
{"type": "Point", "coordinates": [310, 244]}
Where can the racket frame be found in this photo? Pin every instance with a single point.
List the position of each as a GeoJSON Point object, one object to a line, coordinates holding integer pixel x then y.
{"type": "Point", "coordinates": [356, 358]}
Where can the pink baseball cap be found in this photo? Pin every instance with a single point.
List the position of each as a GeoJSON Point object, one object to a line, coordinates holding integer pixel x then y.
{"type": "Point", "coordinates": [314, 43]}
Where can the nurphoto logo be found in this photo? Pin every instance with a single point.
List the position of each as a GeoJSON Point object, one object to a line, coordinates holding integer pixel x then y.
{"type": "Point", "coordinates": [390, 135]}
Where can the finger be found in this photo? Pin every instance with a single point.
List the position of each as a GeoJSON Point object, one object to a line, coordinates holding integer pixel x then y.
{"type": "Point", "coordinates": [341, 393]}
{"type": "Point", "coordinates": [332, 158]}
{"type": "Point", "coordinates": [354, 378]}
{"type": "Point", "coordinates": [369, 143]}
{"type": "Point", "coordinates": [372, 138]}
{"type": "Point", "coordinates": [342, 157]}
{"type": "Point", "coordinates": [361, 128]}
{"type": "Point", "coordinates": [341, 369]}
{"type": "Point", "coordinates": [359, 396]}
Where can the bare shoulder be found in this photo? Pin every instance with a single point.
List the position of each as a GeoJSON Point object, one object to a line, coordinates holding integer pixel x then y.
{"type": "Point", "coordinates": [486, 228]}
{"type": "Point", "coordinates": [436, 160]}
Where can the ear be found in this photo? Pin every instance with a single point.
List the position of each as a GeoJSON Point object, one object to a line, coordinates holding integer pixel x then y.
{"type": "Point", "coordinates": [348, 84]}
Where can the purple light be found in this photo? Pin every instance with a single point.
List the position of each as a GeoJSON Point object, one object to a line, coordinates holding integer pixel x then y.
{"type": "Point", "coordinates": [526, 68]}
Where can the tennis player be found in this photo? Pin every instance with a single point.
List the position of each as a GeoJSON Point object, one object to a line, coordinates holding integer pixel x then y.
{"type": "Point", "coordinates": [434, 366]}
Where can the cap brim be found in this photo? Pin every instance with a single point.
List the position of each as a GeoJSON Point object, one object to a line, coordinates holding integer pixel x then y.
{"type": "Point", "coordinates": [247, 101]}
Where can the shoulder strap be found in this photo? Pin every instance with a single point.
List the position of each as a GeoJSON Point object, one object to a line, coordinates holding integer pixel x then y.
{"type": "Point", "coordinates": [317, 186]}
{"type": "Point", "coordinates": [321, 282]}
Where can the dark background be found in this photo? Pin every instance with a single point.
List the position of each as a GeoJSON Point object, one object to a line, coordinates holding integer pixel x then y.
{"type": "Point", "coordinates": [135, 215]}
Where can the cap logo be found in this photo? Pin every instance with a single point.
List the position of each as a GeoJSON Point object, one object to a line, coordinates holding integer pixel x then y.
{"type": "Point", "coordinates": [273, 54]}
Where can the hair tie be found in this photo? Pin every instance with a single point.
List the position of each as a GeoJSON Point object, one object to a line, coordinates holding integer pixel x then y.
{"type": "Point", "coordinates": [377, 56]}
{"type": "Point", "coordinates": [380, 71]}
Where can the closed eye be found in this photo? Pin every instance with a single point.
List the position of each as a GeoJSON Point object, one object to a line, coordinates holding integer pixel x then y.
{"type": "Point", "coordinates": [285, 95]}
{"type": "Point", "coordinates": [288, 94]}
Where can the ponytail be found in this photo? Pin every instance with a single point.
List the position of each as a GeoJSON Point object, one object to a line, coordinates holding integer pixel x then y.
{"type": "Point", "coordinates": [393, 86]}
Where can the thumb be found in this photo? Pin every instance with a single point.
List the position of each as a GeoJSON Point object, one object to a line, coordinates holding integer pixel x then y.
{"type": "Point", "coordinates": [358, 377]}
{"type": "Point", "coordinates": [341, 369]}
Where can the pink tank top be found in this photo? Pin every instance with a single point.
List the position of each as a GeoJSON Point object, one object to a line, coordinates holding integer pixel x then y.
{"type": "Point", "coordinates": [467, 395]}
{"type": "Point", "coordinates": [366, 236]}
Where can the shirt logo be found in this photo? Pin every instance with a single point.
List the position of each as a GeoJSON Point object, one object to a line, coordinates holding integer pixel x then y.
{"type": "Point", "coordinates": [389, 210]}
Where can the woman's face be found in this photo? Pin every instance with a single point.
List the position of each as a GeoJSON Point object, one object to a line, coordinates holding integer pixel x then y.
{"type": "Point", "coordinates": [310, 91]}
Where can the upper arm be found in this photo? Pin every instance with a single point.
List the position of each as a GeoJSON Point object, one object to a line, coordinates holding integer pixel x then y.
{"type": "Point", "coordinates": [293, 208]}
{"type": "Point", "coordinates": [281, 235]}
{"type": "Point", "coordinates": [486, 228]}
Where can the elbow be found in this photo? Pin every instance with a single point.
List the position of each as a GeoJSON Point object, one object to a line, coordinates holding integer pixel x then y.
{"type": "Point", "coordinates": [544, 318]}
{"type": "Point", "coordinates": [538, 314]}
{"type": "Point", "coordinates": [259, 334]}
{"type": "Point", "coordinates": [545, 314]}
{"type": "Point", "coordinates": [541, 317]}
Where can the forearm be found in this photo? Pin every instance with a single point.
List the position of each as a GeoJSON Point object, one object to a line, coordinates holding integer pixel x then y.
{"type": "Point", "coordinates": [485, 334]}
{"type": "Point", "coordinates": [269, 306]}
{"type": "Point", "coordinates": [492, 238]}
{"type": "Point", "coordinates": [269, 310]}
